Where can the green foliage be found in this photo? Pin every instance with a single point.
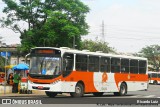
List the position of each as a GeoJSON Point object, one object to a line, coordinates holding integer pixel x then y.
{"type": "Point", "coordinates": [2, 63]}
{"type": "Point", "coordinates": [97, 46]}
{"type": "Point", "coordinates": [153, 54]}
{"type": "Point", "coordinates": [50, 22]}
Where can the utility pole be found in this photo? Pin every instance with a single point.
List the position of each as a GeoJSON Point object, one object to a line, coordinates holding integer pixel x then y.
{"type": "Point", "coordinates": [73, 42]}
{"type": "Point", "coordinates": [103, 36]}
{"type": "Point", "coordinates": [6, 57]}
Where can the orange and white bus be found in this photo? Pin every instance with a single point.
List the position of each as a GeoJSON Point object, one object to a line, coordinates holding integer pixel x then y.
{"type": "Point", "coordinates": [64, 70]}
{"type": "Point", "coordinates": [154, 77]}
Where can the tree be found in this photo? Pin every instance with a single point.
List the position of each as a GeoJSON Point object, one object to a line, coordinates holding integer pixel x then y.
{"type": "Point", "coordinates": [50, 22]}
{"type": "Point", "coordinates": [153, 54]}
{"type": "Point", "coordinates": [97, 46]}
{"type": "Point", "coordinates": [2, 63]}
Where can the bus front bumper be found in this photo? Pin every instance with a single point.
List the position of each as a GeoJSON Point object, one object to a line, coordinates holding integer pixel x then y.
{"type": "Point", "coordinates": [58, 86]}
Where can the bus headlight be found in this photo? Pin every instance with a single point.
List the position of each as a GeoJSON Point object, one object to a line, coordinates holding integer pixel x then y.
{"type": "Point", "coordinates": [30, 82]}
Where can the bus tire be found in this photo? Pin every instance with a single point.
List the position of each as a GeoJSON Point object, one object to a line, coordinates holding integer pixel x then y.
{"type": "Point", "coordinates": [98, 94]}
{"type": "Point", "coordinates": [155, 82]}
{"type": "Point", "coordinates": [122, 91]}
{"type": "Point", "coordinates": [79, 91]}
{"type": "Point", "coordinates": [50, 94]}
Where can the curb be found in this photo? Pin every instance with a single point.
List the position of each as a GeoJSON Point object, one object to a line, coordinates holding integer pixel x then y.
{"type": "Point", "coordinates": [38, 92]}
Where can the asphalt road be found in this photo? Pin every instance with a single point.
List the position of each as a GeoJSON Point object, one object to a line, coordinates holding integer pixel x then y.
{"type": "Point", "coordinates": [152, 92]}
{"type": "Point", "coordinates": [132, 97]}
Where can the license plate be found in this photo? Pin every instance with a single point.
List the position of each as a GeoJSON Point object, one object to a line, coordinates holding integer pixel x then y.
{"type": "Point", "coordinates": [40, 87]}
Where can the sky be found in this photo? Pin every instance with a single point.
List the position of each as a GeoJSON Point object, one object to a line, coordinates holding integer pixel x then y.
{"type": "Point", "coordinates": [129, 25]}
{"type": "Point", "coordinates": [8, 36]}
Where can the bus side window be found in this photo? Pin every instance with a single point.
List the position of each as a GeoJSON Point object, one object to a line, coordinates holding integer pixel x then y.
{"type": "Point", "coordinates": [93, 64]}
{"type": "Point", "coordinates": [142, 67]}
{"type": "Point", "coordinates": [68, 60]}
{"type": "Point", "coordinates": [105, 64]}
{"type": "Point", "coordinates": [115, 65]}
{"type": "Point", "coordinates": [81, 62]}
{"type": "Point", "coordinates": [154, 75]}
{"type": "Point", "coordinates": [134, 66]}
{"type": "Point", "coordinates": [124, 65]}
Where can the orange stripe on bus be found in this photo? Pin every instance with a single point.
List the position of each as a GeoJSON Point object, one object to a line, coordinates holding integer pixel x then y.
{"type": "Point", "coordinates": [158, 79]}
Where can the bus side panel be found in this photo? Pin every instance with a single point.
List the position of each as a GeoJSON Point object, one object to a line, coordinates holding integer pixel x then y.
{"type": "Point", "coordinates": [68, 86]}
{"type": "Point", "coordinates": [134, 81]}
{"type": "Point", "coordinates": [135, 86]}
{"type": "Point", "coordinates": [158, 80]}
{"type": "Point", "coordinates": [85, 77]}
{"type": "Point", "coordinates": [105, 82]}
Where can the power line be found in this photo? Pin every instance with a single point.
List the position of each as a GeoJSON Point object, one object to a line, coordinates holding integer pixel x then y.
{"type": "Point", "coordinates": [132, 27]}
{"type": "Point", "coordinates": [125, 37]}
{"type": "Point", "coordinates": [109, 29]}
{"type": "Point", "coordinates": [151, 30]}
{"type": "Point", "coordinates": [132, 30]}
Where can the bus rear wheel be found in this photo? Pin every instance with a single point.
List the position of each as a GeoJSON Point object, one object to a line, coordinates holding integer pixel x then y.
{"type": "Point", "coordinates": [98, 94]}
{"type": "Point", "coordinates": [50, 94]}
{"type": "Point", "coordinates": [123, 90]}
{"type": "Point", "coordinates": [79, 91]}
{"type": "Point", "coordinates": [155, 82]}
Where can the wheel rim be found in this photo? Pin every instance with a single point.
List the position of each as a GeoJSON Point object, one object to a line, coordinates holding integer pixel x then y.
{"type": "Point", "coordinates": [78, 90]}
{"type": "Point", "coordinates": [123, 90]}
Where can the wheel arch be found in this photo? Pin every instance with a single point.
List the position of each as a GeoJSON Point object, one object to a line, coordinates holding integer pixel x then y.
{"type": "Point", "coordinates": [81, 82]}
{"type": "Point", "coordinates": [79, 89]}
{"type": "Point", "coordinates": [120, 93]}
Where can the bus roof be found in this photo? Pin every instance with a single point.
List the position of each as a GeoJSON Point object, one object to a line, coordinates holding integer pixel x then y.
{"type": "Point", "coordinates": [99, 53]}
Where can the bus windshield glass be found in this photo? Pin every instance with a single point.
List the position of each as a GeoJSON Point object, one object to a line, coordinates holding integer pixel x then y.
{"type": "Point", "coordinates": [45, 65]}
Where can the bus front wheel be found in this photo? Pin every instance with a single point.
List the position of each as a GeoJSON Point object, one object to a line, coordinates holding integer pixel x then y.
{"type": "Point", "coordinates": [79, 91]}
{"type": "Point", "coordinates": [122, 91]}
{"type": "Point", "coordinates": [50, 94]}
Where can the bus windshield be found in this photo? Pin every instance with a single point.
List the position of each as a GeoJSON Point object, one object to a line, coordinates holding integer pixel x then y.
{"type": "Point", "coordinates": [45, 65]}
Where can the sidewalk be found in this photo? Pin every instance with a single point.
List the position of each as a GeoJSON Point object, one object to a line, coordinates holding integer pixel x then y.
{"type": "Point", "coordinates": [6, 89]}
{"type": "Point", "coordinates": [34, 93]}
